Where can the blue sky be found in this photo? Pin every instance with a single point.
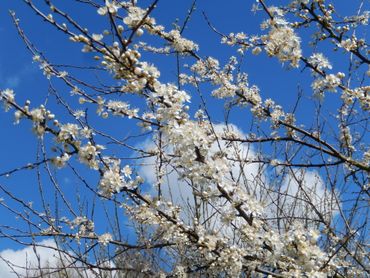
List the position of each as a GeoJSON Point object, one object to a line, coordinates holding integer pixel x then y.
{"type": "Point", "coordinates": [17, 71]}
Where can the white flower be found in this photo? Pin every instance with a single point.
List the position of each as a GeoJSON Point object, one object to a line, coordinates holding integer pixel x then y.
{"type": "Point", "coordinates": [17, 116]}
{"type": "Point", "coordinates": [86, 132]}
{"type": "Point", "coordinates": [127, 171]}
{"type": "Point", "coordinates": [97, 37]}
{"type": "Point", "coordinates": [36, 58]}
{"type": "Point", "coordinates": [112, 8]}
{"type": "Point", "coordinates": [349, 44]}
{"type": "Point", "coordinates": [120, 108]}
{"type": "Point", "coordinates": [60, 161]}
{"type": "Point", "coordinates": [84, 225]}
{"type": "Point", "coordinates": [87, 154]}
{"type": "Point", "coordinates": [38, 115]}
{"type": "Point", "coordinates": [135, 15]}
{"type": "Point", "coordinates": [104, 239]}
{"type": "Point", "coordinates": [257, 50]}
{"type": "Point", "coordinates": [68, 132]}
{"type": "Point", "coordinates": [111, 182]}
{"type": "Point", "coordinates": [62, 74]}
{"type": "Point", "coordinates": [79, 114]}
{"type": "Point", "coordinates": [113, 178]}
{"type": "Point", "coordinates": [319, 61]}
{"type": "Point", "coordinates": [8, 96]}
{"type": "Point", "coordinates": [329, 83]}
{"type": "Point", "coordinates": [283, 43]}
{"type": "Point", "coordinates": [181, 44]}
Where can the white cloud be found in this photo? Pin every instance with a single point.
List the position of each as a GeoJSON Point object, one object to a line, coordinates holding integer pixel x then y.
{"type": "Point", "coordinates": [308, 186]}
{"type": "Point", "coordinates": [44, 255]}
{"type": "Point", "coordinates": [306, 195]}
{"type": "Point", "coordinates": [180, 192]}
{"type": "Point", "coordinates": [23, 260]}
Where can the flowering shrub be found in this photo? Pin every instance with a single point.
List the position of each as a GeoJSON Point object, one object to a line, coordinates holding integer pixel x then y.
{"type": "Point", "coordinates": [195, 197]}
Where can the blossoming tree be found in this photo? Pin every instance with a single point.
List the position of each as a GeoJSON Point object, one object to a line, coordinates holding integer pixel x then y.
{"type": "Point", "coordinates": [176, 193]}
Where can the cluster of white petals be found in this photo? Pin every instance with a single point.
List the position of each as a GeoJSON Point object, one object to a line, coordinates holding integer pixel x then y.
{"type": "Point", "coordinates": [181, 44]}
{"type": "Point", "coordinates": [319, 61]}
{"type": "Point", "coordinates": [7, 96]}
{"type": "Point", "coordinates": [104, 239]}
{"type": "Point", "coordinates": [136, 15]}
{"type": "Point", "coordinates": [84, 226]}
{"type": "Point", "coordinates": [88, 155]}
{"type": "Point", "coordinates": [328, 83]}
{"type": "Point", "coordinates": [110, 6]}
{"type": "Point", "coordinates": [284, 43]}
{"type": "Point", "coordinates": [212, 200]}
{"type": "Point", "coordinates": [60, 161]}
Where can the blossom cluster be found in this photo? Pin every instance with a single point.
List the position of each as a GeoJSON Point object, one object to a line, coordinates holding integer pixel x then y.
{"type": "Point", "coordinates": [234, 223]}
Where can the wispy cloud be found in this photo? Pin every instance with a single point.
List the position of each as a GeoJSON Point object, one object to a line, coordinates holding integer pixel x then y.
{"type": "Point", "coordinates": [12, 81]}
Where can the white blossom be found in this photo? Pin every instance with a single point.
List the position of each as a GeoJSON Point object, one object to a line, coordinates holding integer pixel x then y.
{"type": "Point", "coordinates": [87, 155]}
{"type": "Point", "coordinates": [319, 61]}
{"type": "Point", "coordinates": [283, 43]}
{"type": "Point", "coordinates": [111, 7]}
{"type": "Point", "coordinates": [104, 239]}
{"type": "Point", "coordinates": [60, 161]}
{"type": "Point", "coordinates": [68, 132]}
{"type": "Point", "coordinates": [135, 15]}
{"type": "Point", "coordinates": [7, 96]}
{"type": "Point", "coordinates": [181, 44]}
